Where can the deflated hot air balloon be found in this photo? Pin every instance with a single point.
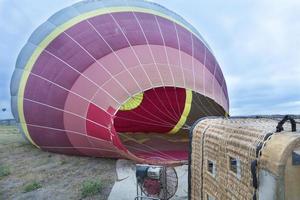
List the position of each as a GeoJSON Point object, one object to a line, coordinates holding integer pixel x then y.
{"type": "Point", "coordinates": [117, 79]}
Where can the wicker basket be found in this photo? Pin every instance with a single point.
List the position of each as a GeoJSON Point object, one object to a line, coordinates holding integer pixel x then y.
{"type": "Point", "coordinates": [224, 156]}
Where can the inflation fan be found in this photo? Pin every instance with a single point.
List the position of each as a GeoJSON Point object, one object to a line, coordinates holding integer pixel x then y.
{"type": "Point", "coordinates": [155, 182]}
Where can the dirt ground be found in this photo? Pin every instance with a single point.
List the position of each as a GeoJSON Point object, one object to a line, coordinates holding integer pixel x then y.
{"type": "Point", "coordinates": [58, 176]}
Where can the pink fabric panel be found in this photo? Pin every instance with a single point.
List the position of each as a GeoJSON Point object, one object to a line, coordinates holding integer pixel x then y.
{"type": "Point", "coordinates": [179, 71]}
{"type": "Point", "coordinates": [186, 61]}
{"type": "Point", "coordinates": [82, 143]}
{"type": "Point", "coordinates": [74, 123]}
{"type": "Point", "coordinates": [178, 76]}
{"type": "Point", "coordinates": [81, 85]}
{"type": "Point", "coordinates": [173, 55]}
{"type": "Point", "coordinates": [116, 91]}
{"type": "Point", "coordinates": [140, 76]}
{"type": "Point", "coordinates": [225, 102]}
{"type": "Point", "coordinates": [159, 54]}
{"type": "Point", "coordinates": [166, 74]}
{"type": "Point", "coordinates": [79, 140]}
{"type": "Point", "coordinates": [103, 100]}
{"type": "Point", "coordinates": [154, 75]}
{"type": "Point", "coordinates": [76, 104]}
{"type": "Point", "coordinates": [217, 92]}
{"type": "Point", "coordinates": [97, 74]}
{"type": "Point", "coordinates": [199, 74]}
{"type": "Point", "coordinates": [128, 82]}
{"type": "Point", "coordinates": [189, 78]}
{"type": "Point", "coordinates": [143, 53]}
{"type": "Point", "coordinates": [111, 63]}
{"type": "Point", "coordinates": [208, 84]}
{"type": "Point", "coordinates": [128, 57]}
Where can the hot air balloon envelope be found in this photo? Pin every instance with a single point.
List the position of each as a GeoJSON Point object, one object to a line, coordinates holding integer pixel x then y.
{"type": "Point", "coordinates": [116, 79]}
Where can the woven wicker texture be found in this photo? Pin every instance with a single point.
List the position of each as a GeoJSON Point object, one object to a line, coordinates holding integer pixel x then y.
{"type": "Point", "coordinates": [221, 154]}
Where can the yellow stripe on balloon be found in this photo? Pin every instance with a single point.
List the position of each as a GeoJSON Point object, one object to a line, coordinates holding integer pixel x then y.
{"type": "Point", "coordinates": [60, 29]}
{"type": "Point", "coordinates": [25, 76]}
{"type": "Point", "coordinates": [133, 102]}
{"type": "Point", "coordinates": [185, 113]}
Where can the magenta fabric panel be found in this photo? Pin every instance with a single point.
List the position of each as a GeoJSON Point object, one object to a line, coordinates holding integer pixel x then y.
{"type": "Point", "coordinates": [85, 34]}
{"type": "Point", "coordinates": [210, 62]}
{"type": "Point", "coordinates": [109, 30]}
{"type": "Point", "coordinates": [55, 70]}
{"type": "Point", "coordinates": [150, 28]}
{"type": "Point", "coordinates": [130, 28]}
{"type": "Point", "coordinates": [49, 138]}
{"type": "Point", "coordinates": [199, 49]}
{"type": "Point", "coordinates": [44, 92]}
{"type": "Point", "coordinates": [168, 32]}
{"type": "Point", "coordinates": [64, 48]}
{"type": "Point", "coordinates": [35, 114]}
{"type": "Point", "coordinates": [185, 40]}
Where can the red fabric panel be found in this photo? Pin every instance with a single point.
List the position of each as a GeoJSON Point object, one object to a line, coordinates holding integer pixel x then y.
{"type": "Point", "coordinates": [97, 131]}
{"type": "Point", "coordinates": [161, 118]}
{"type": "Point", "coordinates": [97, 121]}
{"type": "Point", "coordinates": [98, 115]}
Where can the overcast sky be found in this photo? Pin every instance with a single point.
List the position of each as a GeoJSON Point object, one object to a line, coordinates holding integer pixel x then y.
{"type": "Point", "coordinates": [257, 43]}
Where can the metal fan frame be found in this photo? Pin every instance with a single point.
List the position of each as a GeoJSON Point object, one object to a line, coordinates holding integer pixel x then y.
{"type": "Point", "coordinates": [164, 182]}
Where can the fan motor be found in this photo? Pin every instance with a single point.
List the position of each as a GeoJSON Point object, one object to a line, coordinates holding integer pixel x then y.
{"type": "Point", "coordinates": [155, 182]}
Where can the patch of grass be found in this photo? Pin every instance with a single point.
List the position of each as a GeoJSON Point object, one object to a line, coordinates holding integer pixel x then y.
{"type": "Point", "coordinates": [63, 162]}
{"type": "Point", "coordinates": [4, 171]}
{"type": "Point", "coordinates": [32, 186]}
{"type": "Point", "coordinates": [90, 188]}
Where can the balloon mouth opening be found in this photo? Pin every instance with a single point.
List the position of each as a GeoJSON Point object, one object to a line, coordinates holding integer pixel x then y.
{"type": "Point", "coordinates": [147, 126]}
{"type": "Point", "coordinates": [156, 147]}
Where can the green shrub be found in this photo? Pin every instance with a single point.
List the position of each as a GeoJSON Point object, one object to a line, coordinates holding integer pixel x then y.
{"type": "Point", "coordinates": [32, 186]}
{"type": "Point", "coordinates": [4, 171]}
{"type": "Point", "coordinates": [90, 188]}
